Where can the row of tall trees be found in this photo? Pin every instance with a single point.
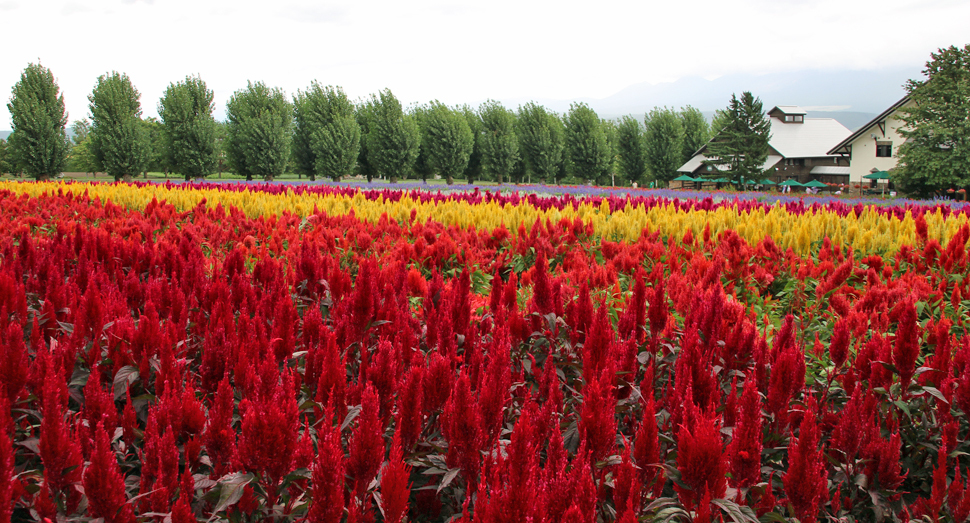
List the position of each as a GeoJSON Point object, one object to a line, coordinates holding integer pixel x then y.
{"type": "Point", "coordinates": [322, 133]}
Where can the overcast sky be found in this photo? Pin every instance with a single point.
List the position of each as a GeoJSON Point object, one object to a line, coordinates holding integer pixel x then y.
{"type": "Point", "coordinates": [458, 52]}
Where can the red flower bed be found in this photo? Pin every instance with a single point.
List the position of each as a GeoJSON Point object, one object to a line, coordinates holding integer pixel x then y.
{"type": "Point", "coordinates": [207, 365]}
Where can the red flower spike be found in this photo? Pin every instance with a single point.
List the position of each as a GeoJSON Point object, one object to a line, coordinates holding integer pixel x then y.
{"type": "Point", "coordinates": [701, 459]}
{"type": "Point", "coordinates": [839, 346]}
{"type": "Point", "coordinates": [59, 449]}
{"type": "Point", "coordinates": [327, 501]}
{"type": "Point", "coordinates": [395, 487]}
{"type": "Point", "coordinates": [104, 485]}
{"type": "Point", "coordinates": [367, 443]}
{"type": "Point", "coordinates": [461, 425]}
{"type": "Point", "coordinates": [744, 451]}
{"type": "Point", "coordinates": [806, 479]}
{"type": "Point", "coordinates": [906, 347]}
{"type": "Point", "coordinates": [597, 419]}
{"type": "Point", "coordinates": [6, 459]}
{"type": "Point", "coordinates": [220, 438]}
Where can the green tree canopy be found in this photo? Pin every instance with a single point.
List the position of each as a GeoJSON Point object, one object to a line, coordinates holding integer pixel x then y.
{"type": "Point", "coordinates": [664, 143]}
{"type": "Point", "coordinates": [190, 130]}
{"type": "Point", "coordinates": [422, 167]}
{"type": "Point", "coordinates": [474, 169]}
{"type": "Point", "coordinates": [541, 138]}
{"type": "Point", "coordinates": [500, 144]}
{"type": "Point", "coordinates": [696, 131]}
{"type": "Point", "coordinates": [588, 150]}
{"type": "Point", "coordinates": [936, 153]}
{"type": "Point", "coordinates": [326, 140]}
{"type": "Point", "coordinates": [5, 166]}
{"type": "Point", "coordinates": [631, 150]}
{"type": "Point", "coordinates": [38, 145]}
{"type": "Point", "coordinates": [741, 147]}
{"type": "Point", "coordinates": [393, 140]}
{"type": "Point", "coordinates": [119, 141]}
{"type": "Point", "coordinates": [447, 140]}
{"type": "Point", "coordinates": [258, 131]}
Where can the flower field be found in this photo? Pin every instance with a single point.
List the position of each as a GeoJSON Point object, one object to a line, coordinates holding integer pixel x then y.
{"type": "Point", "coordinates": [256, 353]}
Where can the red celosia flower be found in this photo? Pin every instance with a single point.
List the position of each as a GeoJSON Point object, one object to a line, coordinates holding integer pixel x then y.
{"type": "Point", "coordinates": [461, 426]}
{"type": "Point", "coordinates": [104, 485]}
{"type": "Point", "coordinates": [327, 502]}
{"type": "Point", "coordinates": [13, 360]}
{"type": "Point", "coordinates": [268, 435]}
{"type": "Point", "coordinates": [646, 446]}
{"type": "Point", "coordinates": [806, 479]}
{"type": "Point", "coordinates": [744, 451]}
{"type": "Point", "coordinates": [220, 438]}
{"type": "Point", "coordinates": [701, 460]}
{"type": "Point", "coordinates": [906, 347]}
{"type": "Point", "coordinates": [839, 346]}
{"type": "Point", "coordinates": [395, 487]}
{"type": "Point", "coordinates": [6, 459]}
{"type": "Point", "coordinates": [59, 449]}
{"type": "Point", "coordinates": [367, 444]}
{"type": "Point", "coordinates": [597, 420]}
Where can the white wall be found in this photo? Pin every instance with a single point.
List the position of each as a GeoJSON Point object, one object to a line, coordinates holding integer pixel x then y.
{"type": "Point", "coordinates": [864, 158]}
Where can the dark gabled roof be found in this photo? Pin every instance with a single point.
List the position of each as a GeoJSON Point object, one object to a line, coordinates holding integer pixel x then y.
{"type": "Point", "coordinates": [865, 128]}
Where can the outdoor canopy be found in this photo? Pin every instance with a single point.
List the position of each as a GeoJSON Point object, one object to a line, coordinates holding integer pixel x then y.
{"type": "Point", "coordinates": [878, 175]}
{"type": "Point", "coordinates": [815, 183]}
{"type": "Point", "coordinates": [791, 183]}
{"type": "Point", "coordinates": [684, 178]}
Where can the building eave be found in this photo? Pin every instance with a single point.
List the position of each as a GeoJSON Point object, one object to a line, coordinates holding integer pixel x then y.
{"type": "Point", "coordinates": [843, 146]}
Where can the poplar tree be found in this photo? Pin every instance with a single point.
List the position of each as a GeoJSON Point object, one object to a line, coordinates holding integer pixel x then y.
{"type": "Point", "coordinates": [38, 145]}
{"type": "Point", "coordinates": [326, 140]}
{"type": "Point", "coordinates": [589, 152]}
{"type": "Point", "coordinates": [119, 141]}
{"type": "Point", "coordinates": [393, 140]}
{"type": "Point", "coordinates": [499, 143]}
{"type": "Point", "coordinates": [631, 149]}
{"type": "Point", "coordinates": [259, 121]}
{"type": "Point", "coordinates": [447, 140]}
{"type": "Point", "coordinates": [541, 137]}
{"type": "Point", "coordinates": [664, 143]}
{"type": "Point", "coordinates": [189, 128]}
{"type": "Point", "coordinates": [696, 131]}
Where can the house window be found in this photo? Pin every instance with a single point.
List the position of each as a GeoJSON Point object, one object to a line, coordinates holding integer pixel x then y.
{"type": "Point", "coordinates": [884, 150]}
{"type": "Point", "coordinates": [799, 118]}
{"type": "Point", "coordinates": [789, 118]}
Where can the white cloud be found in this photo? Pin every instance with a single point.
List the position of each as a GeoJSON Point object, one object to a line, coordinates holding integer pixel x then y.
{"type": "Point", "coordinates": [460, 52]}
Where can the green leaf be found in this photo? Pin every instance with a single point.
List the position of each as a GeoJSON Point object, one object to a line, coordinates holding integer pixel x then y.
{"type": "Point", "coordinates": [123, 379]}
{"type": "Point", "coordinates": [231, 490]}
{"type": "Point", "coordinates": [449, 477]}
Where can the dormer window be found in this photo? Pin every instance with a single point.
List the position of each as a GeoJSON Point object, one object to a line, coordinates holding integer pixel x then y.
{"type": "Point", "coordinates": [794, 118]}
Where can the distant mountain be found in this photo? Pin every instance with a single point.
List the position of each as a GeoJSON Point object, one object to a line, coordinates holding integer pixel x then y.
{"type": "Point", "coordinates": [851, 97]}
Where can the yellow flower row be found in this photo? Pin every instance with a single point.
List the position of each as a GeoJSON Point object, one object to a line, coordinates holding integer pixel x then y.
{"type": "Point", "coordinates": [872, 232]}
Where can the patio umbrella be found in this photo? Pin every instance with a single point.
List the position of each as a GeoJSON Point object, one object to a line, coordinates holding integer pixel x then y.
{"type": "Point", "coordinates": [815, 183]}
{"type": "Point", "coordinates": [684, 178]}
{"type": "Point", "coordinates": [792, 183]}
{"type": "Point", "coordinates": [878, 175]}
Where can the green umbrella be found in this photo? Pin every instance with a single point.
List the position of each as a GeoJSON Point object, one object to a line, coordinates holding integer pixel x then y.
{"type": "Point", "coordinates": [791, 183]}
{"type": "Point", "coordinates": [684, 178]}
{"type": "Point", "coordinates": [720, 180]}
{"type": "Point", "coordinates": [878, 175]}
{"type": "Point", "coordinates": [815, 183]}
{"type": "Point", "coordinates": [760, 182]}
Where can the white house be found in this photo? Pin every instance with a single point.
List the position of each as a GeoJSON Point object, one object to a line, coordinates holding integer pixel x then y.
{"type": "Point", "coordinates": [798, 148]}
{"type": "Point", "coordinates": [873, 146]}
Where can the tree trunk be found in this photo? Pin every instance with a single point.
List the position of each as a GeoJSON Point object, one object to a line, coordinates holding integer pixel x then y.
{"type": "Point", "coordinates": [188, 178]}
{"type": "Point", "coordinates": [249, 177]}
{"type": "Point", "coordinates": [126, 178]}
{"type": "Point", "coordinates": [449, 180]}
{"type": "Point", "coordinates": [43, 177]}
{"type": "Point", "coordinates": [268, 177]}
